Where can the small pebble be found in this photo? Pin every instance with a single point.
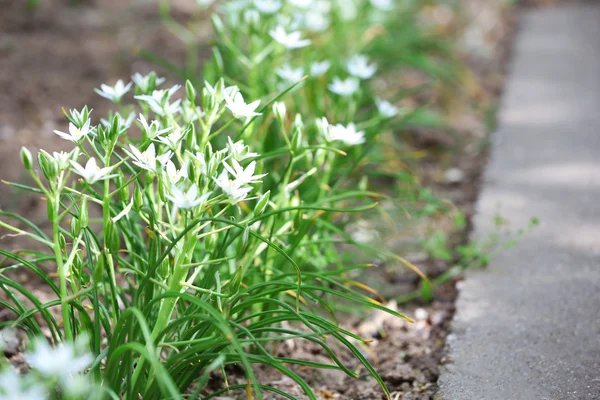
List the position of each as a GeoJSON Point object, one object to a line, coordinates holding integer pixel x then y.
{"type": "Point", "coordinates": [421, 314]}
{"type": "Point", "coordinates": [454, 175]}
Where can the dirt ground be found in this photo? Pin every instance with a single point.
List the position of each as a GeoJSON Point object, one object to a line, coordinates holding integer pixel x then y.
{"type": "Point", "coordinates": [53, 57]}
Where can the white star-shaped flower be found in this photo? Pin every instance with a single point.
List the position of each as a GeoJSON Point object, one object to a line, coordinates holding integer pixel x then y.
{"type": "Point", "coordinates": [359, 66]}
{"type": "Point", "coordinates": [188, 199]}
{"type": "Point", "coordinates": [290, 74]}
{"type": "Point", "coordinates": [60, 361]}
{"type": "Point", "coordinates": [386, 108]}
{"type": "Point", "coordinates": [302, 3]}
{"type": "Point", "coordinates": [143, 82]}
{"type": "Point", "coordinates": [268, 6]}
{"type": "Point", "coordinates": [91, 173]}
{"type": "Point", "coordinates": [238, 150]}
{"type": "Point", "coordinates": [114, 93]}
{"type": "Point", "coordinates": [75, 134]}
{"type": "Point", "coordinates": [232, 188]}
{"type": "Point", "coordinates": [13, 387]}
{"type": "Point", "coordinates": [171, 140]}
{"type": "Point", "coordinates": [384, 5]}
{"type": "Point", "coordinates": [346, 134]}
{"type": "Point", "coordinates": [174, 174]}
{"type": "Point", "coordinates": [346, 87]}
{"type": "Point", "coordinates": [243, 176]}
{"type": "Point", "coordinates": [62, 158]}
{"type": "Point", "coordinates": [319, 68]}
{"type": "Point", "coordinates": [147, 159]}
{"type": "Point", "coordinates": [290, 40]}
{"type": "Point", "coordinates": [239, 108]}
{"type": "Point", "coordinates": [152, 129]}
{"type": "Point", "coordinates": [159, 101]}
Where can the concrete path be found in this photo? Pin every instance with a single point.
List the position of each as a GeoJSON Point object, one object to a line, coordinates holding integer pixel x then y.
{"type": "Point", "coordinates": [528, 327]}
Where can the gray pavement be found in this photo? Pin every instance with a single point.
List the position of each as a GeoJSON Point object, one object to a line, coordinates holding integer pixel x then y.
{"type": "Point", "coordinates": [528, 326]}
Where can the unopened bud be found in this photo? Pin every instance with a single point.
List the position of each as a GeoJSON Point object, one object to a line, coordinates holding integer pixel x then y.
{"type": "Point", "coordinates": [26, 158]}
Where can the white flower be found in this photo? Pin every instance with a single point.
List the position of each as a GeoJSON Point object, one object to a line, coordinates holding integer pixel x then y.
{"type": "Point", "coordinates": [384, 5]}
{"type": "Point", "coordinates": [80, 117]}
{"type": "Point", "coordinates": [268, 6]}
{"type": "Point", "coordinates": [62, 158]}
{"type": "Point", "coordinates": [159, 101]}
{"type": "Point", "coordinates": [323, 126]}
{"type": "Point", "coordinates": [232, 188]}
{"type": "Point", "coordinates": [386, 108]}
{"type": "Point", "coordinates": [204, 3]}
{"type": "Point", "coordinates": [319, 68]}
{"type": "Point", "coordinates": [152, 129]}
{"type": "Point", "coordinates": [279, 110]}
{"type": "Point", "coordinates": [243, 176]}
{"type": "Point", "coordinates": [60, 361]}
{"type": "Point", "coordinates": [359, 66]}
{"type": "Point", "coordinates": [219, 92]}
{"type": "Point", "coordinates": [344, 87]}
{"type": "Point", "coordinates": [317, 22]}
{"type": "Point", "coordinates": [113, 93]}
{"type": "Point", "coordinates": [239, 108]}
{"type": "Point", "coordinates": [348, 9]}
{"type": "Point", "coordinates": [290, 40]}
{"type": "Point", "coordinates": [75, 134]}
{"type": "Point", "coordinates": [172, 139]}
{"type": "Point", "coordinates": [252, 17]}
{"type": "Point", "coordinates": [290, 74]}
{"type": "Point", "coordinates": [174, 174]}
{"type": "Point", "coordinates": [346, 134]}
{"type": "Point", "coordinates": [147, 159]}
{"type": "Point", "coordinates": [238, 150]}
{"type": "Point", "coordinates": [123, 123]}
{"type": "Point", "coordinates": [301, 3]}
{"type": "Point", "coordinates": [187, 199]}
{"type": "Point", "coordinates": [92, 173]}
{"type": "Point", "coordinates": [143, 82]}
{"type": "Point", "coordinates": [12, 387]}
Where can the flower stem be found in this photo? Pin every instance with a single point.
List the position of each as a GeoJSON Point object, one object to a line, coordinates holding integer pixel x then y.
{"type": "Point", "coordinates": [61, 268]}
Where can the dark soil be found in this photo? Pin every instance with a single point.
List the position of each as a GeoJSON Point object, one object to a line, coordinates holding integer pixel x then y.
{"type": "Point", "coordinates": [54, 56]}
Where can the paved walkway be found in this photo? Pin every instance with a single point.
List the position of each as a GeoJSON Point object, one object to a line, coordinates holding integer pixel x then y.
{"type": "Point", "coordinates": [528, 327]}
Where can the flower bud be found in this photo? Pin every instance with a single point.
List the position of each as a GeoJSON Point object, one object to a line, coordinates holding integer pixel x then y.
{"type": "Point", "coordinates": [218, 25]}
{"type": "Point", "coordinates": [190, 91]}
{"type": "Point", "coordinates": [262, 203]}
{"type": "Point", "coordinates": [323, 126]}
{"type": "Point", "coordinates": [363, 184]}
{"type": "Point", "coordinates": [279, 110]}
{"type": "Point", "coordinates": [50, 210]}
{"type": "Point", "coordinates": [320, 157]}
{"type": "Point", "coordinates": [83, 214]}
{"type": "Point", "coordinates": [211, 242]}
{"type": "Point", "coordinates": [62, 241]}
{"type": "Point", "coordinates": [26, 158]}
{"type": "Point", "coordinates": [75, 227]}
{"type": "Point", "coordinates": [123, 188]}
{"type": "Point", "coordinates": [99, 269]}
{"type": "Point", "coordinates": [243, 243]}
{"type": "Point", "coordinates": [297, 140]}
{"type": "Point", "coordinates": [48, 166]}
{"type": "Point", "coordinates": [138, 198]}
{"type": "Point", "coordinates": [252, 18]}
{"type": "Point", "coordinates": [111, 238]}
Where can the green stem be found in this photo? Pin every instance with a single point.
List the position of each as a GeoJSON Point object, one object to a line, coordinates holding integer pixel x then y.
{"type": "Point", "coordinates": [62, 269]}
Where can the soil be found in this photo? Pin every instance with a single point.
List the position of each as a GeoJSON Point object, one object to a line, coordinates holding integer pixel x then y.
{"type": "Point", "coordinates": [53, 57]}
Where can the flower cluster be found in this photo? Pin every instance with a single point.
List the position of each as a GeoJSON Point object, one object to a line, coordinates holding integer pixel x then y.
{"type": "Point", "coordinates": [218, 203]}
{"type": "Point", "coordinates": [60, 365]}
